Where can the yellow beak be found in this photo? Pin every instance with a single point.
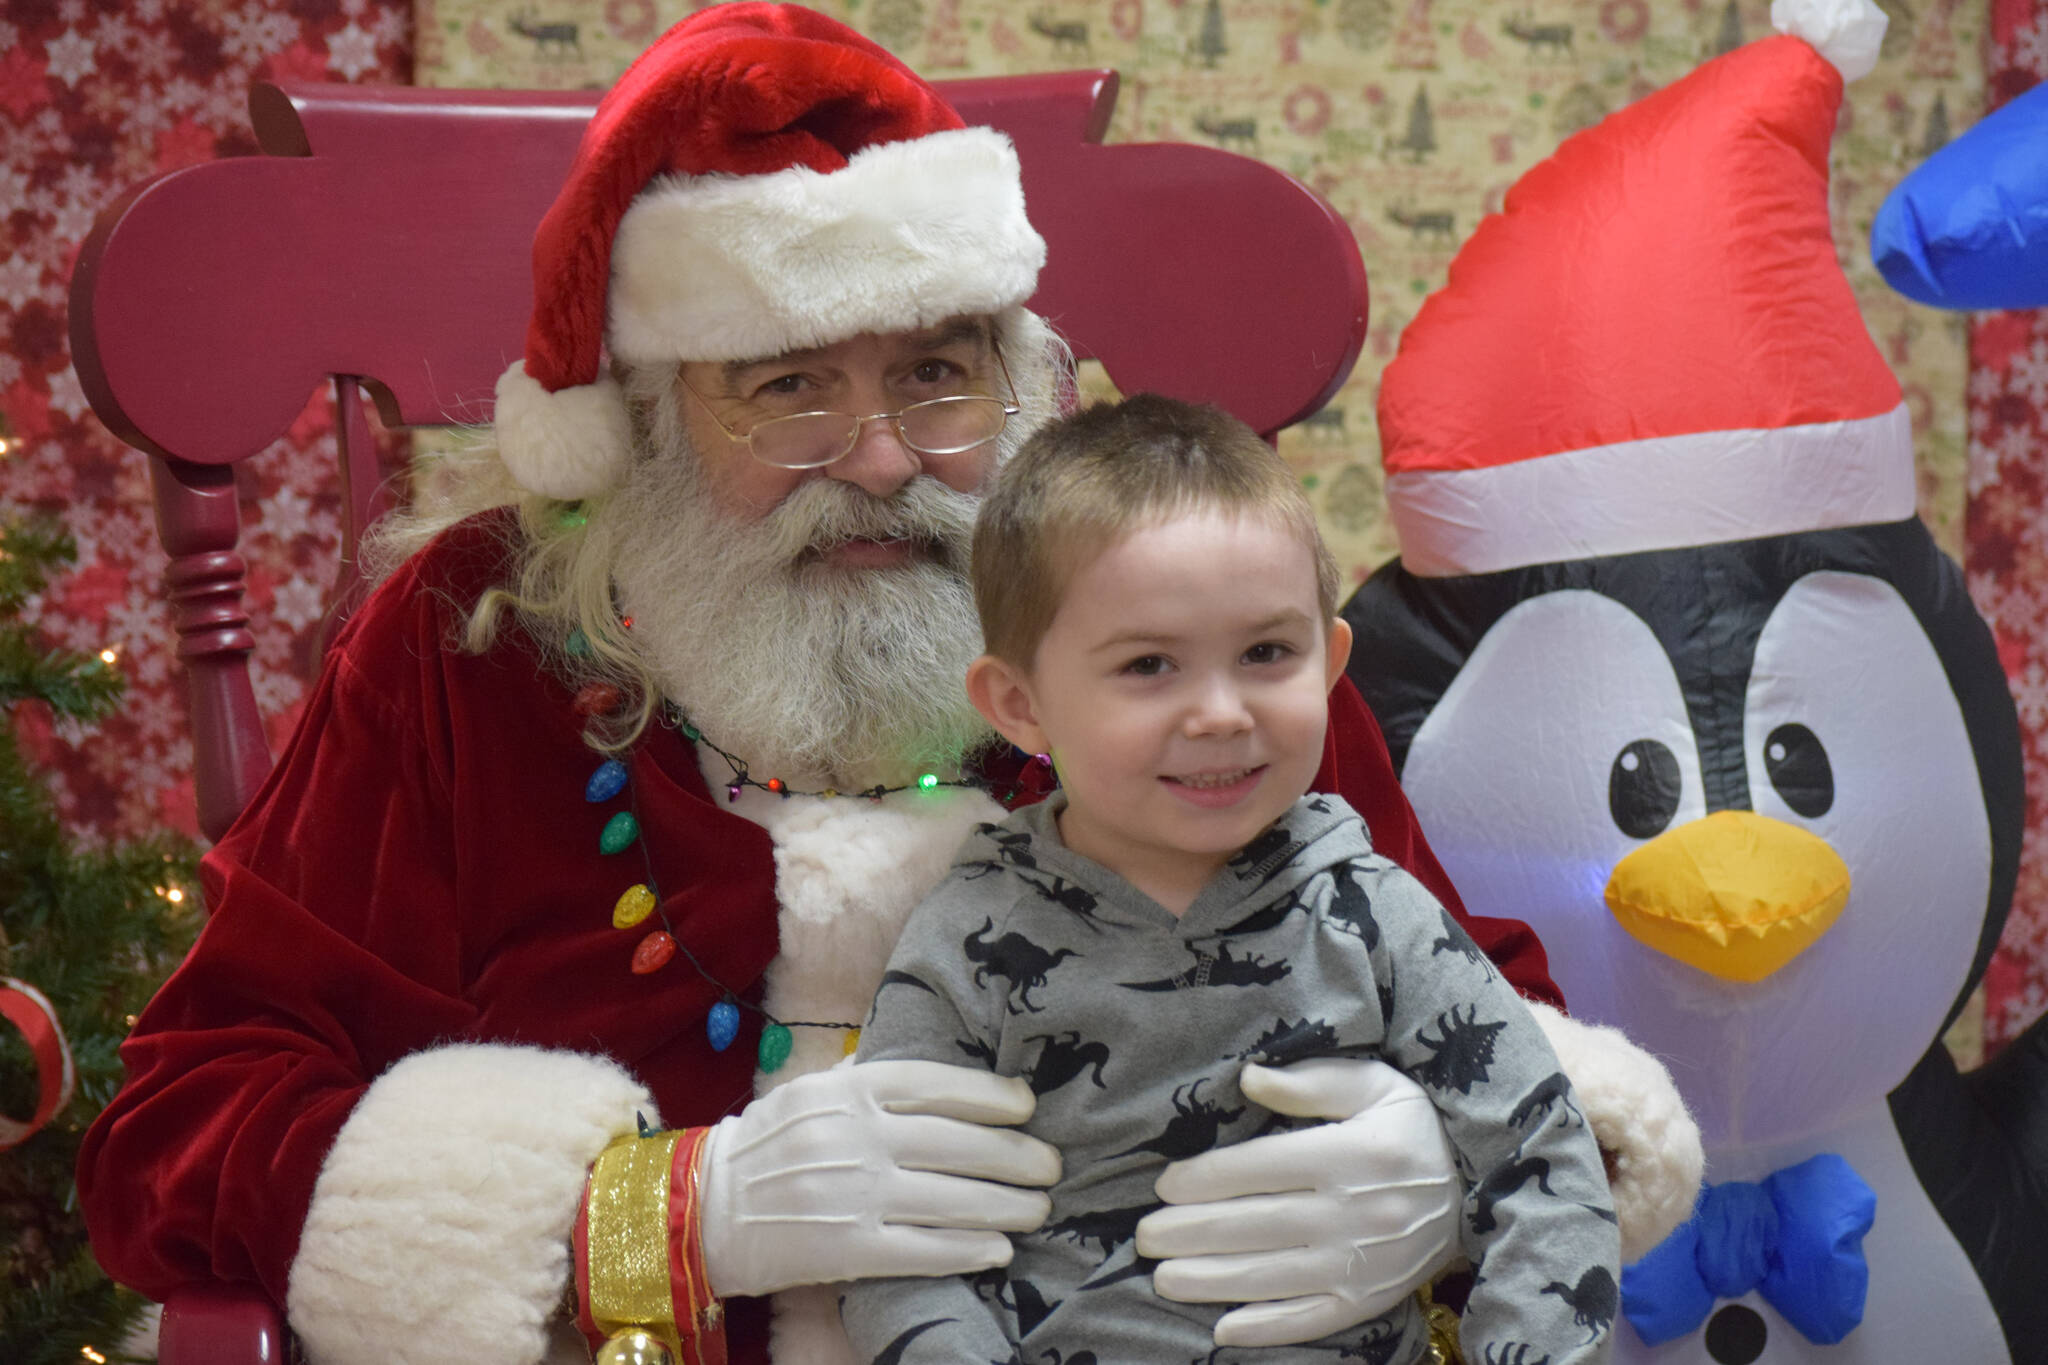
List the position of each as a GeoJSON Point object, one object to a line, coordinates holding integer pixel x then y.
{"type": "Point", "coordinates": [1737, 895]}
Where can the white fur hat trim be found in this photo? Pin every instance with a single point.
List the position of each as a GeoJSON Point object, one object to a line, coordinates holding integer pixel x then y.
{"type": "Point", "coordinates": [905, 235]}
{"type": "Point", "coordinates": [1846, 32]}
{"type": "Point", "coordinates": [569, 444]}
{"type": "Point", "coordinates": [1639, 1120]}
{"type": "Point", "coordinates": [439, 1228]}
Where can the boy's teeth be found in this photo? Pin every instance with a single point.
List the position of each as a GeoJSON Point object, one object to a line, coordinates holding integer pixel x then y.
{"type": "Point", "coordinates": [1214, 779]}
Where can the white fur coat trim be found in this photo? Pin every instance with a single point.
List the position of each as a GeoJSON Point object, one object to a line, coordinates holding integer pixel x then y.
{"type": "Point", "coordinates": [1641, 1123]}
{"type": "Point", "coordinates": [439, 1228]}
{"type": "Point", "coordinates": [905, 235]}
{"type": "Point", "coordinates": [847, 875]}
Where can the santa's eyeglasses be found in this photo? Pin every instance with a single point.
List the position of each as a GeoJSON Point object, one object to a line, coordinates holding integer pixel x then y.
{"type": "Point", "coordinates": [934, 426]}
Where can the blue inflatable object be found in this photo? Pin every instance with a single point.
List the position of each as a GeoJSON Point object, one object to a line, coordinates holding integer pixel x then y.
{"type": "Point", "coordinates": [1969, 228]}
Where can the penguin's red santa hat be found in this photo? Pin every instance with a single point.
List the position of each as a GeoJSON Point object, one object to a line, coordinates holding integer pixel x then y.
{"type": "Point", "coordinates": [761, 180]}
{"type": "Point", "coordinates": [1653, 345]}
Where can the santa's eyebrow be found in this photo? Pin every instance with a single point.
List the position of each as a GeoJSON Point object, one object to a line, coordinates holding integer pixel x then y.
{"type": "Point", "coordinates": [951, 332]}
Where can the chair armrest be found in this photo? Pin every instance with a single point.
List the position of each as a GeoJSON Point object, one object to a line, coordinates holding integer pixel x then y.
{"type": "Point", "coordinates": [221, 1324]}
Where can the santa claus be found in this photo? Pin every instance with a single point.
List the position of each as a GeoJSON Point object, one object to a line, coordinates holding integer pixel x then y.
{"type": "Point", "coordinates": [530, 971]}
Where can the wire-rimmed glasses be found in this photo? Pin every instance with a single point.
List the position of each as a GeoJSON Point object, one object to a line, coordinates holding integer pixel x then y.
{"type": "Point", "coordinates": [932, 426]}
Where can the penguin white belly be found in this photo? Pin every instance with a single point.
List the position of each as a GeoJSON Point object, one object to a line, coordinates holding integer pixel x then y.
{"type": "Point", "coordinates": [1925, 1305]}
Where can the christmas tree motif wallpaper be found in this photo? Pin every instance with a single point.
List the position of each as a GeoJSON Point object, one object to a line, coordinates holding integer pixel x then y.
{"type": "Point", "coordinates": [1412, 117]}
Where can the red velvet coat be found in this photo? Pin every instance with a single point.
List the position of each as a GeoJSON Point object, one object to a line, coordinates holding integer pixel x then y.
{"type": "Point", "coordinates": [421, 867]}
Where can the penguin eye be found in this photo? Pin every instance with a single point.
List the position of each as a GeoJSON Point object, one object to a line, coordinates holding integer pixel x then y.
{"type": "Point", "coordinates": [1642, 788]}
{"type": "Point", "coordinates": [1799, 769]}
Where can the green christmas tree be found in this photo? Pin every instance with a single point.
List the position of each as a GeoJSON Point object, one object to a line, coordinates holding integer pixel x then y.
{"type": "Point", "coordinates": [95, 930]}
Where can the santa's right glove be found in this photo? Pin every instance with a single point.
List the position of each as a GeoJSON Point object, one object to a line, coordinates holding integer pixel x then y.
{"type": "Point", "coordinates": [872, 1169]}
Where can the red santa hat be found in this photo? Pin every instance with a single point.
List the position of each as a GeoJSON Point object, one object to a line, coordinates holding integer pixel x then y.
{"type": "Point", "coordinates": [763, 179]}
{"type": "Point", "coordinates": [1653, 344]}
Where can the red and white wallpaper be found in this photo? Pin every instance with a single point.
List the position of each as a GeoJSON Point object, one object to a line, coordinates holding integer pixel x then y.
{"type": "Point", "coordinates": [96, 95]}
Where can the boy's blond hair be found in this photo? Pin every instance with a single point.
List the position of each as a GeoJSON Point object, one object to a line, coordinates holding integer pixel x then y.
{"type": "Point", "coordinates": [1084, 481]}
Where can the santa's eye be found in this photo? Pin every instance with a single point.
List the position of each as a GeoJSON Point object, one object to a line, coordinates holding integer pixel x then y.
{"type": "Point", "coordinates": [1798, 767]}
{"type": "Point", "coordinates": [1643, 788]}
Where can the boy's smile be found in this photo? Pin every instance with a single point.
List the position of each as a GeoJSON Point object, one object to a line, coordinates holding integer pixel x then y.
{"type": "Point", "coordinates": [1182, 691]}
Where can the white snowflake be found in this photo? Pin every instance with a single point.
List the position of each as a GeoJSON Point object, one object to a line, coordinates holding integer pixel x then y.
{"type": "Point", "coordinates": [275, 689]}
{"type": "Point", "coordinates": [254, 34]}
{"type": "Point", "coordinates": [182, 92]}
{"type": "Point", "coordinates": [2014, 445]}
{"type": "Point", "coordinates": [148, 11]}
{"type": "Point", "coordinates": [10, 369]}
{"type": "Point", "coordinates": [351, 52]}
{"type": "Point", "coordinates": [392, 27]}
{"type": "Point", "coordinates": [2030, 47]}
{"type": "Point", "coordinates": [10, 36]}
{"type": "Point", "coordinates": [1984, 385]}
{"type": "Point", "coordinates": [13, 191]}
{"type": "Point", "coordinates": [72, 220]}
{"type": "Point", "coordinates": [298, 603]}
{"type": "Point", "coordinates": [354, 8]}
{"type": "Point", "coordinates": [20, 280]}
{"type": "Point", "coordinates": [145, 111]}
{"type": "Point", "coordinates": [287, 514]}
{"type": "Point", "coordinates": [117, 34]}
{"type": "Point", "coordinates": [71, 11]}
{"type": "Point", "coordinates": [2030, 374]}
{"type": "Point", "coordinates": [153, 57]}
{"type": "Point", "coordinates": [1983, 469]}
{"type": "Point", "coordinates": [67, 395]}
{"type": "Point", "coordinates": [223, 108]}
{"type": "Point", "coordinates": [2030, 696]}
{"type": "Point", "coordinates": [71, 56]}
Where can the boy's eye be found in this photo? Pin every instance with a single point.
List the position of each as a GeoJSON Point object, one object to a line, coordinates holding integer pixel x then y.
{"type": "Point", "coordinates": [1146, 666]}
{"type": "Point", "coordinates": [1267, 652]}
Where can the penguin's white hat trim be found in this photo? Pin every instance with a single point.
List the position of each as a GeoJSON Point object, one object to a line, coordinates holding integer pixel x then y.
{"type": "Point", "coordinates": [1704, 488]}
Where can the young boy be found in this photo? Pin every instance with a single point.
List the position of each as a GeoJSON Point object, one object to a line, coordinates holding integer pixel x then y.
{"type": "Point", "coordinates": [1160, 616]}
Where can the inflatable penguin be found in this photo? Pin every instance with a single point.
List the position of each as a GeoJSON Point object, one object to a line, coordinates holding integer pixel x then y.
{"type": "Point", "coordinates": [1674, 673]}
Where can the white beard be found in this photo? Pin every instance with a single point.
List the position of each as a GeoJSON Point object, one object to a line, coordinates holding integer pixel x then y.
{"type": "Point", "coordinates": [823, 676]}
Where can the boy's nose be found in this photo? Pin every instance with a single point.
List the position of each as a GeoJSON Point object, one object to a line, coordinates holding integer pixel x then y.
{"type": "Point", "coordinates": [1219, 708]}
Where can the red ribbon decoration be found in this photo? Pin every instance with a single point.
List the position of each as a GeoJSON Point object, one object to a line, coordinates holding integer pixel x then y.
{"type": "Point", "coordinates": [29, 1010]}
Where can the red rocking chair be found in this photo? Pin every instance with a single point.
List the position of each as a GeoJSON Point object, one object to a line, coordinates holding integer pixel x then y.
{"type": "Point", "coordinates": [382, 243]}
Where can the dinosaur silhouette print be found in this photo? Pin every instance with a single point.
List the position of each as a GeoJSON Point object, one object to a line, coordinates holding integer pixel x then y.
{"type": "Point", "coordinates": [1350, 908]}
{"type": "Point", "coordinates": [893, 1352]}
{"type": "Point", "coordinates": [1517, 1354]}
{"type": "Point", "coordinates": [1285, 1042]}
{"type": "Point", "coordinates": [1139, 1265]}
{"type": "Point", "coordinates": [1052, 1357]}
{"type": "Point", "coordinates": [1380, 1344]}
{"type": "Point", "coordinates": [1013, 849]}
{"type": "Point", "coordinates": [1503, 1183]}
{"type": "Point", "coordinates": [1109, 1227]}
{"type": "Point", "coordinates": [1064, 1057]}
{"type": "Point", "coordinates": [985, 1053]}
{"type": "Point", "coordinates": [1193, 1128]}
{"type": "Point", "coordinates": [1593, 1300]}
{"type": "Point", "coordinates": [1217, 969]}
{"type": "Point", "coordinates": [1456, 940]}
{"type": "Point", "coordinates": [1265, 855]}
{"type": "Point", "coordinates": [1550, 1092]}
{"type": "Point", "coordinates": [1076, 900]}
{"type": "Point", "coordinates": [1269, 916]}
{"type": "Point", "coordinates": [1385, 991]}
{"type": "Point", "coordinates": [1462, 1050]}
{"type": "Point", "coordinates": [1014, 958]}
{"type": "Point", "coordinates": [893, 977]}
{"type": "Point", "coordinates": [1027, 1303]}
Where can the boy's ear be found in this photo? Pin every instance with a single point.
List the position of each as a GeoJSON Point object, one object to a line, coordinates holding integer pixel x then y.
{"type": "Point", "coordinates": [1339, 651]}
{"type": "Point", "coordinates": [1001, 692]}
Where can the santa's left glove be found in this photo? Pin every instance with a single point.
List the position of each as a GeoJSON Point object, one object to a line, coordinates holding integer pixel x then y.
{"type": "Point", "coordinates": [1316, 1230]}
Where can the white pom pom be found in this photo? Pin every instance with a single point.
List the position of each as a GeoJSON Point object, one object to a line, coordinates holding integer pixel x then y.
{"type": "Point", "coordinates": [1846, 32]}
{"type": "Point", "coordinates": [569, 444]}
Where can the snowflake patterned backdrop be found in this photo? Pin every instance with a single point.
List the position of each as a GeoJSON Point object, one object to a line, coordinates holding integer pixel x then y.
{"type": "Point", "coordinates": [97, 95]}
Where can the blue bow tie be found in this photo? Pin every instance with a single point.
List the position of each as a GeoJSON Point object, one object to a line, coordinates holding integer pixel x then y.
{"type": "Point", "coordinates": [1796, 1238]}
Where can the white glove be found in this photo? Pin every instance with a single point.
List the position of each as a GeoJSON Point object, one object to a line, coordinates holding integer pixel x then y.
{"type": "Point", "coordinates": [1315, 1230]}
{"type": "Point", "coordinates": [880, 1168]}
